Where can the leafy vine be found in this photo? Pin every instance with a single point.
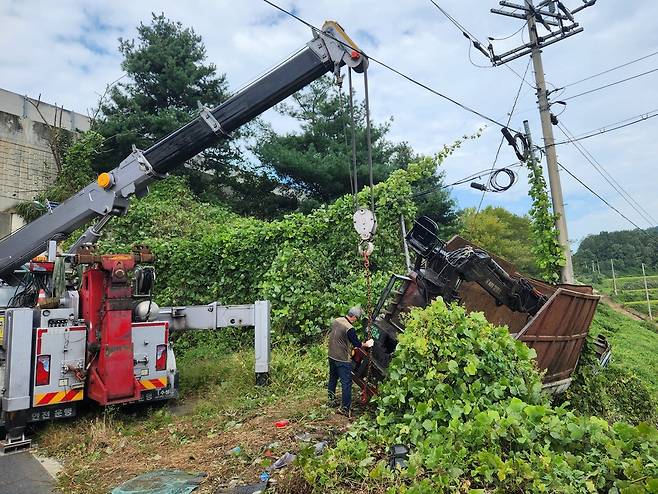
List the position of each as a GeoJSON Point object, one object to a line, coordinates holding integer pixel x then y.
{"type": "Point", "coordinates": [547, 249]}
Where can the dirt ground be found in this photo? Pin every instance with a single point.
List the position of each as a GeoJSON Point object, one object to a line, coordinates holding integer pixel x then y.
{"type": "Point", "coordinates": [109, 455]}
{"type": "Point", "coordinates": [621, 309]}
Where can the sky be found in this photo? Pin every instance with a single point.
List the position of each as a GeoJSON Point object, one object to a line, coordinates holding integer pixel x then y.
{"type": "Point", "coordinates": [67, 52]}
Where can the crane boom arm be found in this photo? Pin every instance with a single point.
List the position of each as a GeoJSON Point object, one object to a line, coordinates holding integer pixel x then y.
{"type": "Point", "coordinates": [329, 49]}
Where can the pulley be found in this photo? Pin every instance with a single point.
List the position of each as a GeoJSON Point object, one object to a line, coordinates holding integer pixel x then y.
{"type": "Point", "coordinates": [365, 223]}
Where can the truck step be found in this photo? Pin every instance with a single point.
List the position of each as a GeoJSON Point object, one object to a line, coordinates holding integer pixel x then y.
{"type": "Point", "coordinates": [14, 445]}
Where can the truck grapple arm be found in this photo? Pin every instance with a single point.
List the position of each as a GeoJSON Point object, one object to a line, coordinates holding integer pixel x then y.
{"type": "Point", "coordinates": [444, 271]}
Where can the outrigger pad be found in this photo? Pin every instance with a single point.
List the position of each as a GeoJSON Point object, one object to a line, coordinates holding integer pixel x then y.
{"type": "Point", "coordinates": [161, 482]}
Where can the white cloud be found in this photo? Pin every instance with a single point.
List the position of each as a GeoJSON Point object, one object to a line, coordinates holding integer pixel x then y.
{"type": "Point", "coordinates": [67, 51]}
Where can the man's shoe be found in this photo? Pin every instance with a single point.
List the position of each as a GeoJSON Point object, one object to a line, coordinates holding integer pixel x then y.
{"type": "Point", "coordinates": [344, 411]}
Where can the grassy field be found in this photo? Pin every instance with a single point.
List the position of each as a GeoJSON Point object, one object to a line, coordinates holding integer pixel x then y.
{"type": "Point", "coordinates": [221, 409]}
{"type": "Point", "coordinates": [634, 344]}
{"type": "Point", "coordinates": [631, 293]}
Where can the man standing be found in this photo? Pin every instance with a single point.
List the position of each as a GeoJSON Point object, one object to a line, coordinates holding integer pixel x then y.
{"type": "Point", "coordinates": [342, 338]}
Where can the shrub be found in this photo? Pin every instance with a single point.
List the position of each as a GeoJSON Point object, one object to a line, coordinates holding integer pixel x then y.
{"type": "Point", "coordinates": [464, 397]}
{"type": "Point", "coordinates": [306, 265]}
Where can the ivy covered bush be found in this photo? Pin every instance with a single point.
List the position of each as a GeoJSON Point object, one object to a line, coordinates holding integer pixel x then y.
{"type": "Point", "coordinates": [464, 397]}
{"type": "Point", "coordinates": [306, 265]}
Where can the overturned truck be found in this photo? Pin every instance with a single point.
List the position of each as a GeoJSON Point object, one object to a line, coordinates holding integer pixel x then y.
{"type": "Point", "coordinates": [554, 320]}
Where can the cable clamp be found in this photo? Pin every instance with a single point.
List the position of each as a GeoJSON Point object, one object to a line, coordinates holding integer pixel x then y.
{"type": "Point", "coordinates": [207, 116]}
{"type": "Point", "coordinates": [145, 165]}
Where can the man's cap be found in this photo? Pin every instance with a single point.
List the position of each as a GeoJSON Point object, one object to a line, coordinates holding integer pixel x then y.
{"type": "Point", "coordinates": [355, 312]}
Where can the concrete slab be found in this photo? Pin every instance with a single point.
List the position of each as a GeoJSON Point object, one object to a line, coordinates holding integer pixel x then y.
{"type": "Point", "coordinates": [22, 473]}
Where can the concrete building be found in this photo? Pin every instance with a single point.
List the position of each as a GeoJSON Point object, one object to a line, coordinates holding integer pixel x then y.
{"type": "Point", "coordinates": [27, 165]}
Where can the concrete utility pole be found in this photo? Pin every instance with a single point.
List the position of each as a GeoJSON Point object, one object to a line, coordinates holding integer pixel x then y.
{"type": "Point", "coordinates": [549, 146]}
{"type": "Point", "coordinates": [646, 290]}
{"type": "Point", "coordinates": [548, 13]}
{"type": "Point", "coordinates": [614, 279]}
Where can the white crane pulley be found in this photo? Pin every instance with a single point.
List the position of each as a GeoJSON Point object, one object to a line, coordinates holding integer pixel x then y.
{"type": "Point", "coordinates": [365, 225]}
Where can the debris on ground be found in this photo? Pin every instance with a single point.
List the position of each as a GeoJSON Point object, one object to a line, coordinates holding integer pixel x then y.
{"type": "Point", "coordinates": [286, 459]}
{"type": "Point", "coordinates": [304, 437]}
{"type": "Point", "coordinates": [244, 489]}
{"type": "Point", "coordinates": [320, 447]}
{"type": "Point", "coordinates": [280, 424]}
{"type": "Point", "coordinates": [161, 482]}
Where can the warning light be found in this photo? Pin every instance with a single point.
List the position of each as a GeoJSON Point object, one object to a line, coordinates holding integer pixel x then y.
{"type": "Point", "coordinates": [161, 357]}
{"type": "Point", "coordinates": [104, 180]}
{"type": "Point", "coordinates": [43, 370]}
{"type": "Point", "coordinates": [355, 54]}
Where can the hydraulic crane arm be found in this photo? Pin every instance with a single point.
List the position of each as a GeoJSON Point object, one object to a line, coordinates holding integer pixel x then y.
{"type": "Point", "coordinates": [329, 49]}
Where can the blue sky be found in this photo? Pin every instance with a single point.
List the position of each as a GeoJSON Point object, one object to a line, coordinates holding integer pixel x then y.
{"type": "Point", "coordinates": [67, 52]}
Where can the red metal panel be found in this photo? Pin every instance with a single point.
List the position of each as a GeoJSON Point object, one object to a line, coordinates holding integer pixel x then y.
{"type": "Point", "coordinates": [106, 304]}
{"type": "Point", "coordinates": [557, 332]}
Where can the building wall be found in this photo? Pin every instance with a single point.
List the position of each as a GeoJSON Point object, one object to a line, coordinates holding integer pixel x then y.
{"type": "Point", "coordinates": [27, 165]}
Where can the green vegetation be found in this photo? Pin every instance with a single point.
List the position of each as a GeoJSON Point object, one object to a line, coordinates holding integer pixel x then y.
{"type": "Point", "coordinates": [634, 344]}
{"type": "Point", "coordinates": [306, 265]}
{"type": "Point", "coordinates": [631, 293]}
{"type": "Point", "coordinates": [476, 422]}
{"type": "Point", "coordinates": [628, 248]}
{"type": "Point", "coordinates": [502, 233]}
{"type": "Point", "coordinates": [168, 75]}
{"type": "Point", "coordinates": [316, 159]}
{"type": "Point", "coordinates": [546, 246]}
{"type": "Point", "coordinates": [626, 390]}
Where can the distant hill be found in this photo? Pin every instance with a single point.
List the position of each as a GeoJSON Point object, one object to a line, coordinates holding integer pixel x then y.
{"type": "Point", "coordinates": [628, 248]}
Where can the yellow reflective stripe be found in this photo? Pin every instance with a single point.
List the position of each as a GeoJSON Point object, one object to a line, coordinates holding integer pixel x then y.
{"type": "Point", "coordinates": [43, 399]}
{"type": "Point", "coordinates": [146, 384]}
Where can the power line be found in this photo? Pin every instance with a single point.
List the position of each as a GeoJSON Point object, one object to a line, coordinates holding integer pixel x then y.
{"type": "Point", "coordinates": [389, 67]}
{"type": "Point", "coordinates": [476, 42]}
{"type": "Point", "coordinates": [605, 130]}
{"type": "Point", "coordinates": [491, 38]}
{"type": "Point", "coordinates": [473, 176]}
{"type": "Point", "coordinates": [502, 139]}
{"type": "Point", "coordinates": [610, 70]}
{"type": "Point", "coordinates": [610, 85]}
{"type": "Point", "coordinates": [466, 33]}
{"type": "Point", "coordinates": [609, 178]}
{"type": "Point", "coordinates": [603, 200]}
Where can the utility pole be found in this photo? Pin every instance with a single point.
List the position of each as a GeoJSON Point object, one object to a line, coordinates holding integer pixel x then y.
{"type": "Point", "coordinates": [549, 13]}
{"type": "Point", "coordinates": [614, 279]}
{"type": "Point", "coordinates": [549, 146]}
{"type": "Point", "coordinates": [646, 291]}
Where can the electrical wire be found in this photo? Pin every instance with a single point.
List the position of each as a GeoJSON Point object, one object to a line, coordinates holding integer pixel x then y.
{"type": "Point", "coordinates": [496, 186]}
{"type": "Point", "coordinates": [610, 85]}
{"type": "Point", "coordinates": [611, 69]}
{"type": "Point", "coordinates": [390, 68]}
{"type": "Point", "coordinates": [464, 31]}
{"type": "Point", "coordinates": [646, 216]}
{"type": "Point", "coordinates": [491, 38]}
{"type": "Point", "coordinates": [473, 40]}
{"type": "Point", "coordinates": [477, 175]}
{"type": "Point", "coordinates": [603, 200]}
{"type": "Point", "coordinates": [502, 139]}
{"type": "Point", "coordinates": [605, 130]}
